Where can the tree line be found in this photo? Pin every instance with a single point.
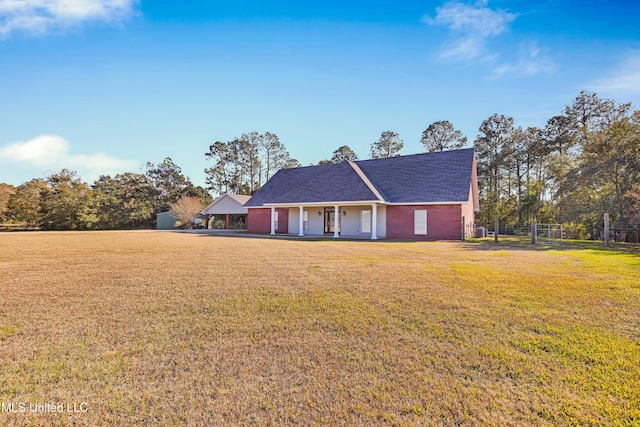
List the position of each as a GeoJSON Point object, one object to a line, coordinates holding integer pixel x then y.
{"type": "Point", "coordinates": [242, 165]}
{"type": "Point", "coordinates": [585, 161]}
{"type": "Point", "coordinates": [62, 201]}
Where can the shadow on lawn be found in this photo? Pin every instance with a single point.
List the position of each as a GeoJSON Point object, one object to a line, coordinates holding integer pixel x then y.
{"type": "Point", "coordinates": [524, 243]}
{"type": "Point", "coordinates": [243, 234]}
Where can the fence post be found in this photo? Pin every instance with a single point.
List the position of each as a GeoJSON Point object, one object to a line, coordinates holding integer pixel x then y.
{"type": "Point", "coordinates": [606, 229]}
{"type": "Point", "coordinates": [495, 230]}
{"type": "Point", "coordinates": [561, 233]}
{"type": "Point", "coordinates": [534, 232]}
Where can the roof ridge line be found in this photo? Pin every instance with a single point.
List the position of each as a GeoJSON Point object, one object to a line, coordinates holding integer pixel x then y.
{"type": "Point", "coordinates": [366, 180]}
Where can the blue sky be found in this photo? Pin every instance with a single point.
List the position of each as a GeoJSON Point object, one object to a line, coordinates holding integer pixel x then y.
{"type": "Point", "coordinates": [103, 86]}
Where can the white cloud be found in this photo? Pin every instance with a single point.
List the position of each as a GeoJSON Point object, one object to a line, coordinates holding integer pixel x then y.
{"type": "Point", "coordinates": [476, 20]}
{"type": "Point", "coordinates": [40, 151]}
{"type": "Point", "coordinates": [464, 49]}
{"type": "Point", "coordinates": [40, 16]}
{"type": "Point", "coordinates": [624, 77]}
{"type": "Point", "coordinates": [54, 152]}
{"type": "Point", "coordinates": [532, 61]}
{"type": "Point", "coordinates": [470, 26]}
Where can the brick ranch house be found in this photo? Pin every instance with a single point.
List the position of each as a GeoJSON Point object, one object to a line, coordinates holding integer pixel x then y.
{"type": "Point", "coordinates": [422, 196]}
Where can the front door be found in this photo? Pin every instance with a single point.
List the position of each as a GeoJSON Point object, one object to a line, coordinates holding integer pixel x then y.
{"type": "Point", "coordinates": [329, 220]}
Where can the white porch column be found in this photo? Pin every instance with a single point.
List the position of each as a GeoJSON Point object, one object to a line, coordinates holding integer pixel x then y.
{"type": "Point", "coordinates": [301, 229]}
{"type": "Point", "coordinates": [336, 222]}
{"type": "Point", "coordinates": [374, 221]}
{"type": "Point", "coordinates": [273, 220]}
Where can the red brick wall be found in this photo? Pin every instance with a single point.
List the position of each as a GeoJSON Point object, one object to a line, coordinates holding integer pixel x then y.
{"type": "Point", "coordinates": [283, 221]}
{"type": "Point", "coordinates": [259, 221]}
{"type": "Point", "coordinates": [443, 222]}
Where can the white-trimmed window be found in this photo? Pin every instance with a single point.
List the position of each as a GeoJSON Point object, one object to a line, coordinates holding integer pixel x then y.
{"type": "Point", "coordinates": [365, 221]}
{"type": "Point", "coordinates": [305, 220]}
{"type": "Point", "coordinates": [275, 220]}
{"type": "Point", "coordinates": [420, 222]}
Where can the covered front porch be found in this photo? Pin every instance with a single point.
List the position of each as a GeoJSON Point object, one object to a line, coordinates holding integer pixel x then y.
{"type": "Point", "coordinates": [226, 221]}
{"type": "Point", "coordinates": [352, 220]}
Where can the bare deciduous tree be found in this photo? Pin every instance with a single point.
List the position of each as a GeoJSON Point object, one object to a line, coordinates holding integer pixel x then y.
{"type": "Point", "coordinates": [185, 210]}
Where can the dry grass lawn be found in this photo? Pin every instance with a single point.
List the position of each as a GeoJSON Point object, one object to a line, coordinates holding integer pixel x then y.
{"type": "Point", "coordinates": [154, 328]}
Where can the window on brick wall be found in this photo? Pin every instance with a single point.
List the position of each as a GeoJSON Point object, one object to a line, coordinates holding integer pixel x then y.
{"type": "Point", "coordinates": [420, 222]}
{"type": "Point", "coordinates": [276, 220]}
{"type": "Point", "coordinates": [305, 220]}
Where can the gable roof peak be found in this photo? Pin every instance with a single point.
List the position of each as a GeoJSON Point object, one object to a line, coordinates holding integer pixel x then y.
{"type": "Point", "coordinates": [366, 180]}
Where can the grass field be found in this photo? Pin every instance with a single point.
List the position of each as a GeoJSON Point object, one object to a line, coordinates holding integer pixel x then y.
{"type": "Point", "coordinates": [152, 328]}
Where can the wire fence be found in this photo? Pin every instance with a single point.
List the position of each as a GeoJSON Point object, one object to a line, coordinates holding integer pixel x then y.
{"type": "Point", "coordinates": [559, 232]}
{"type": "Point", "coordinates": [623, 234]}
{"type": "Point", "coordinates": [507, 230]}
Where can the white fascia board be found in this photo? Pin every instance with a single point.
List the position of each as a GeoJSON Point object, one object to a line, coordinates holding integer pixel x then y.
{"type": "Point", "coordinates": [365, 179]}
{"type": "Point", "coordinates": [328, 203]}
{"type": "Point", "coordinates": [425, 203]}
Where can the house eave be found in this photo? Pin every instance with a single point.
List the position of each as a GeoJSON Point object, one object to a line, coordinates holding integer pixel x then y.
{"type": "Point", "coordinates": [239, 210]}
{"type": "Point", "coordinates": [327, 203]}
{"type": "Point", "coordinates": [461, 202]}
{"type": "Point", "coordinates": [357, 203]}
